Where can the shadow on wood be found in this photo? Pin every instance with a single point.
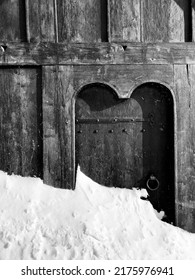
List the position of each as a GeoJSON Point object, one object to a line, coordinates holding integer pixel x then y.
{"type": "Point", "coordinates": [187, 7]}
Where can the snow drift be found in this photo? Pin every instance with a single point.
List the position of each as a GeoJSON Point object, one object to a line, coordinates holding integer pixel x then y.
{"type": "Point", "coordinates": [92, 222]}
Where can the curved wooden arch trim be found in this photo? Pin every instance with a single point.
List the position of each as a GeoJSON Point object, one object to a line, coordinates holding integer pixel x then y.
{"type": "Point", "coordinates": [143, 82]}
{"type": "Point", "coordinates": [85, 85]}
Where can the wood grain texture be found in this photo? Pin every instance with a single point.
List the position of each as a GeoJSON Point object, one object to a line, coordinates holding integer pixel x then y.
{"type": "Point", "coordinates": [186, 214]}
{"type": "Point", "coordinates": [79, 20]}
{"type": "Point", "coordinates": [108, 152]}
{"type": "Point", "coordinates": [99, 53]}
{"type": "Point", "coordinates": [10, 21]}
{"type": "Point", "coordinates": [163, 21]}
{"type": "Point", "coordinates": [40, 20]}
{"type": "Point", "coordinates": [123, 78]}
{"type": "Point", "coordinates": [185, 192]}
{"type": "Point", "coordinates": [57, 127]}
{"type": "Point", "coordinates": [19, 145]}
{"type": "Point", "coordinates": [124, 20]}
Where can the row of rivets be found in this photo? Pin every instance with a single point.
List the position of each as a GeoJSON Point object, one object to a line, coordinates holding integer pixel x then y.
{"type": "Point", "coordinates": [97, 120]}
{"type": "Point", "coordinates": [112, 120]}
{"type": "Point", "coordinates": [110, 131]}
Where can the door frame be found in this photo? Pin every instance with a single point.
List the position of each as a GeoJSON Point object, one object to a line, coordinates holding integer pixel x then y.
{"type": "Point", "coordinates": [131, 90]}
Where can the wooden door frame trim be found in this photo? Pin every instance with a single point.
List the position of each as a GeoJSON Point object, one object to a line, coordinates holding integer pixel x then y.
{"type": "Point", "coordinates": [96, 53]}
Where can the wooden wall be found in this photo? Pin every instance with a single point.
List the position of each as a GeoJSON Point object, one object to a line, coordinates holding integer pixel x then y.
{"type": "Point", "coordinates": [49, 49]}
{"type": "Point", "coordinates": [96, 20]}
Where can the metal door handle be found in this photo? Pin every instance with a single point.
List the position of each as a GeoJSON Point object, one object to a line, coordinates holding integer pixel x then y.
{"type": "Point", "coordinates": [152, 183]}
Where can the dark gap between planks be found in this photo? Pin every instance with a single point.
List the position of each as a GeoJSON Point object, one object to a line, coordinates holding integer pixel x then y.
{"type": "Point", "coordinates": [104, 20]}
{"type": "Point", "coordinates": [22, 21]}
{"type": "Point", "coordinates": [39, 124]}
{"type": "Point", "coordinates": [188, 21]}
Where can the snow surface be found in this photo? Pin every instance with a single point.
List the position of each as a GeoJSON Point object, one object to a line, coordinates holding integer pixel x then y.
{"type": "Point", "coordinates": [91, 223]}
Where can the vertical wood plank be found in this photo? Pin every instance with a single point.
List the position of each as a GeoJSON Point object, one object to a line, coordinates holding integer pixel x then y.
{"type": "Point", "coordinates": [10, 29]}
{"type": "Point", "coordinates": [163, 21]}
{"type": "Point", "coordinates": [185, 192]}
{"type": "Point", "coordinates": [40, 20]}
{"type": "Point", "coordinates": [79, 20]}
{"type": "Point", "coordinates": [18, 121]}
{"type": "Point", "coordinates": [124, 20]}
{"type": "Point", "coordinates": [57, 126]}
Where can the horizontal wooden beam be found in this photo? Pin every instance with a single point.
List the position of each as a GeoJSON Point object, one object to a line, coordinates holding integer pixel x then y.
{"type": "Point", "coordinates": [96, 53]}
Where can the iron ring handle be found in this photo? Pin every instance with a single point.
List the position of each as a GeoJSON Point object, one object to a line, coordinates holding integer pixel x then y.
{"type": "Point", "coordinates": [152, 179]}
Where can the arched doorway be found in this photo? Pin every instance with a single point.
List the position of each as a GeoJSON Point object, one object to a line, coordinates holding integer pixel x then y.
{"type": "Point", "coordinates": [153, 102]}
{"type": "Point", "coordinates": [128, 142]}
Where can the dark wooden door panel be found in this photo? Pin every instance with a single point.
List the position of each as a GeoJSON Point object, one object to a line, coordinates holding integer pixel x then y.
{"type": "Point", "coordinates": [102, 149]}
{"type": "Point", "coordinates": [156, 104]}
{"type": "Point", "coordinates": [128, 143]}
{"type": "Point", "coordinates": [105, 134]}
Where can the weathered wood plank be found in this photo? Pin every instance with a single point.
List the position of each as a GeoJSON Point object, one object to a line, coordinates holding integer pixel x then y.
{"type": "Point", "coordinates": [185, 193]}
{"type": "Point", "coordinates": [186, 216]}
{"type": "Point", "coordinates": [163, 21]}
{"type": "Point", "coordinates": [104, 53]}
{"type": "Point", "coordinates": [11, 12]}
{"type": "Point", "coordinates": [20, 145]}
{"type": "Point", "coordinates": [123, 78]}
{"type": "Point", "coordinates": [79, 20]}
{"type": "Point", "coordinates": [40, 20]}
{"type": "Point", "coordinates": [57, 127]}
{"type": "Point", "coordinates": [124, 20]}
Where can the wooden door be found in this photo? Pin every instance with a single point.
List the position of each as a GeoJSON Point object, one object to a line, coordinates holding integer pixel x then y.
{"type": "Point", "coordinates": [128, 142]}
{"type": "Point", "coordinates": [105, 138]}
{"type": "Point", "coordinates": [155, 103]}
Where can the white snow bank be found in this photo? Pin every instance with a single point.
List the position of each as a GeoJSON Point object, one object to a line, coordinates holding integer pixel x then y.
{"type": "Point", "coordinates": [92, 222]}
